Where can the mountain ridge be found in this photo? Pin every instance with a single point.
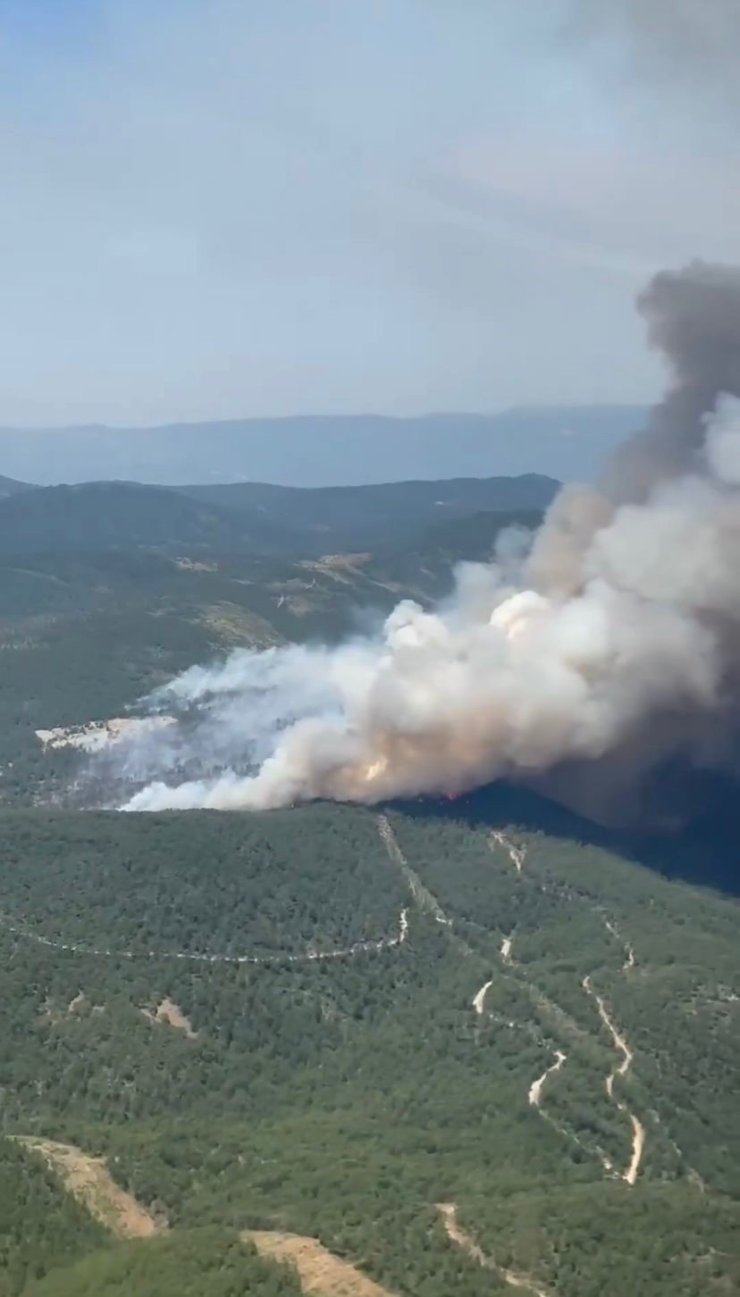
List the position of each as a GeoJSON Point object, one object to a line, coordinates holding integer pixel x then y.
{"type": "Point", "coordinates": [325, 450]}
{"type": "Point", "coordinates": [11, 486]}
{"type": "Point", "coordinates": [250, 517]}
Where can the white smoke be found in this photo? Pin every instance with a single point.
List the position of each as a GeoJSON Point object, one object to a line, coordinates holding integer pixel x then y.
{"type": "Point", "coordinates": [723, 443]}
{"type": "Point", "coordinates": [621, 620]}
{"type": "Point", "coordinates": [499, 681]}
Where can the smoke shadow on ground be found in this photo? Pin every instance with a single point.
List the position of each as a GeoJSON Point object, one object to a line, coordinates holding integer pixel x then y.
{"type": "Point", "coordinates": [703, 851]}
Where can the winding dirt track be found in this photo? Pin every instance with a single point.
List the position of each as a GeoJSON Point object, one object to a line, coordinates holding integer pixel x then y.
{"type": "Point", "coordinates": [308, 957]}
{"type": "Point", "coordinates": [457, 1235]}
{"type": "Point", "coordinates": [629, 952]}
{"type": "Point", "coordinates": [629, 1175]}
{"type": "Point", "coordinates": [425, 900]}
{"type": "Point", "coordinates": [535, 1089]}
{"type": "Point", "coordinates": [517, 855]}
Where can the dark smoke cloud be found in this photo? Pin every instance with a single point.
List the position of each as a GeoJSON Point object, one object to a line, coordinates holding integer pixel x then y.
{"type": "Point", "coordinates": [693, 318]}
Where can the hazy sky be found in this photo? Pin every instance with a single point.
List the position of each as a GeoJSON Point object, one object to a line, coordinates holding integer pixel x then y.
{"type": "Point", "coordinates": [216, 208]}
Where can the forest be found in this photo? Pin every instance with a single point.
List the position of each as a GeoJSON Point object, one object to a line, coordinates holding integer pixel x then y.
{"type": "Point", "coordinates": [231, 1012]}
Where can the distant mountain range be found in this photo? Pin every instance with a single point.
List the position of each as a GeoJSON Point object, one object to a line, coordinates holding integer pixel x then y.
{"type": "Point", "coordinates": [565, 442]}
{"type": "Point", "coordinates": [252, 518]}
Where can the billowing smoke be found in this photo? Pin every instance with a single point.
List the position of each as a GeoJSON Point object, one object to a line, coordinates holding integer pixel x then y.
{"type": "Point", "coordinates": [610, 640]}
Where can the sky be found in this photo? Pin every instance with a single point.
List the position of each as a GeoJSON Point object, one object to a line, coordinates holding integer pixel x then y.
{"type": "Point", "coordinates": [224, 208]}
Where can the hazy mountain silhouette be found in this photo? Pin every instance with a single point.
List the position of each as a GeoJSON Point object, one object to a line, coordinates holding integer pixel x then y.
{"type": "Point", "coordinates": [565, 442]}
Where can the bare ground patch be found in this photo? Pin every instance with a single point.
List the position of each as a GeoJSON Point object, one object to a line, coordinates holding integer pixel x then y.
{"type": "Point", "coordinates": [237, 625]}
{"type": "Point", "coordinates": [169, 1014]}
{"type": "Point", "coordinates": [318, 1269]}
{"type": "Point", "coordinates": [90, 1182]}
{"type": "Point", "coordinates": [340, 567]}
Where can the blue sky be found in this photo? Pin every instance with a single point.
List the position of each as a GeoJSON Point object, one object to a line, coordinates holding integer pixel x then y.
{"type": "Point", "coordinates": [216, 208]}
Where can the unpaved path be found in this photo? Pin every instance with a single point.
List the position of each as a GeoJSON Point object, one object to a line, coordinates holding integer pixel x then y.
{"type": "Point", "coordinates": [621, 1044]}
{"type": "Point", "coordinates": [629, 953]}
{"type": "Point", "coordinates": [457, 1235]}
{"type": "Point", "coordinates": [535, 1089]}
{"type": "Point", "coordinates": [425, 900]}
{"type": "Point", "coordinates": [479, 998]}
{"type": "Point", "coordinates": [90, 1182]}
{"type": "Point", "coordinates": [517, 855]}
{"type": "Point", "coordinates": [318, 1269]}
{"type": "Point", "coordinates": [260, 961]}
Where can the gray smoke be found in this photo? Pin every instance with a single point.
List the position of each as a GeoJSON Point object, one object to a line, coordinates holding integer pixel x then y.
{"type": "Point", "coordinates": [693, 318]}
{"type": "Point", "coordinates": [693, 44]}
{"type": "Point", "coordinates": [611, 640]}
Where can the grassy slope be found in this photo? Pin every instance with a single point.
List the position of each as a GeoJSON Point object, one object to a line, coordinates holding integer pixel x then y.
{"type": "Point", "coordinates": [248, 518]}
{"type": "Point", "coordinates": [355, 517]}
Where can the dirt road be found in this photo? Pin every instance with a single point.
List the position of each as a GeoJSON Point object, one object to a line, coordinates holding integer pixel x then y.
{"type": "Point", "coordinates": [479, 998]}
{"type": "Point", "coordinates": [425, 900]}
{"type": "Point", "coordinates": [517, 855]}
{"type": "Point", "coordinates": [621, 1044]}
{"type": "Point", "coordinates": [457, 1235]}
{"type": "Point", "coordinates": [535, 1089]}
{"type": "Point", "coordinates": [263, 961]}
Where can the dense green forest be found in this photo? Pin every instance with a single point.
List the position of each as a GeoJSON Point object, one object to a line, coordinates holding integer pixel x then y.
{"type": "Point", "coordinates": [248, 517]}
{"type": "Point", "coordinates": [188, 1263]}
{"type": "Point", "coordinates": [41, 1226]}
{"type": "Point", "coordinates": [343, 1097]}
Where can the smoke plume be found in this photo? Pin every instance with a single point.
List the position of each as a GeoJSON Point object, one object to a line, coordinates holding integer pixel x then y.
{"type": "Point", "coordinates": [611, 640]}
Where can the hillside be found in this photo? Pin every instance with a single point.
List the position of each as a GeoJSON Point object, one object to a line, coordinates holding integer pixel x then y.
{"type": "Point", "coordinates": [331, 518]}
{"type": "Point", "coordinates": [248, 518]}
{"type": "Point", "coordinates": [41, 1227]}
{"type": "Point", "coordinates": [122, 515]}
{"type": "Point", "coordinates": [185, 1263]}
{"type": "Point", "coordinates": [317, 450]}
{"type": "Point", "coordinates": [85, 634]}
{"type": "Point", "coordinates": [9, 486]}
{"type": "Point", "coordinates": [438, 1049]}
{"type": "Point", "coordinates": [364, 1019]}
